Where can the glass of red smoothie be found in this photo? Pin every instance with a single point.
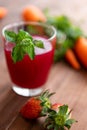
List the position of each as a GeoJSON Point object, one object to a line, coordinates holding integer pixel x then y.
{"type": "Point", "coordinates": [29, 76]}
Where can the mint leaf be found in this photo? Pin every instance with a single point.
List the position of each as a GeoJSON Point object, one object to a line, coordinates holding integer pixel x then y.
{"type": "Point", "coordinates": [22, 35]}
{"type": "Point", "coordinates": [38, 43]}
{"type": "Point", "coordinates": [21, 49]}
{"type": "Point", "coordinates": [10, 36]}
{"type": "Point", "coordinates": [30, 51]}
{"type": "Point", "coordinates": [17, 53]}
{"type": "Point", "coordinates": [24, 44]}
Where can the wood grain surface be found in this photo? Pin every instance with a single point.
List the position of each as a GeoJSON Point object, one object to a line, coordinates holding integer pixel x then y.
{"type": "Point", "coordinates": [70, 85]}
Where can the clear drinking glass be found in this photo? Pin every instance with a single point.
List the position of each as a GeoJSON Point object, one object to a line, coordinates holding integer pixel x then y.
{"type": "Point", "coordinates": [29, 76]}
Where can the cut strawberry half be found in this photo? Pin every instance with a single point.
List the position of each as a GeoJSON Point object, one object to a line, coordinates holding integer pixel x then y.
{"type": "Point", "coordinates": [59, 118]}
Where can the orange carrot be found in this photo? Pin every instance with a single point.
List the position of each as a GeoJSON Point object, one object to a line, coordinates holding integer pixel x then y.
{"type": "Point", "coordinates": [3, 12]}
{"type": "Point", "coordinates": [81, 50]}
{"type": "Point", "coordinates": [33, 13]}
{"type": "Point", "coordinates": [71, 58]}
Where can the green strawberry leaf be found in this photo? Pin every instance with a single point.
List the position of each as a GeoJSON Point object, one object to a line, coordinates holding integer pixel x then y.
{"type": "Point", "coordinates": [49, 126]}
{"type": "Point", "coordinates": [69, 122]}
{"type": "Point", "coordinates": [58, 119]}
{"type": "Point", "coordinates": [52, 113]}
{"type": "Point", "coordinates": [63, 110]}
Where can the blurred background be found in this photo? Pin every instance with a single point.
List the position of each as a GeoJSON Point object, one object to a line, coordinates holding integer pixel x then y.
{"type": "Point", "coordinates": [75, 9]}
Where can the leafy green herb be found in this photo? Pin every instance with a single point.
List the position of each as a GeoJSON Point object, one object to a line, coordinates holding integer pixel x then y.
{"type": "Point", "coordinates": [24, 44]}
{"type": "Point", "coordinates": [59, 120]}
{"type": "Point", "coordinates": [67, 33]}
{"type": "Point", "coordinates": [10, 36]}
{"type": "Point", "coordinates": [64, 24]}
{"type": "Point", "coordinates": [60, 52]}
{"type": "Point", "coordinates": [38, 43]}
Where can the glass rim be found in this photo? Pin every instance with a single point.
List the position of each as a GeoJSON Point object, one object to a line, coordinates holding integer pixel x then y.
{"type": "Point", "coordinates": [16, 24]}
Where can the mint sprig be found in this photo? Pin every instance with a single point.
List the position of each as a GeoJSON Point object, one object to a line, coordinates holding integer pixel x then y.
{"type": "Point", "coordinates": [24, 44]}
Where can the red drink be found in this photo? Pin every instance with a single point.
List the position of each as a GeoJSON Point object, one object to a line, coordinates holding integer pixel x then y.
{"type": "Point", "coordinates": [28, 76]}
{"type": "Point", "coordinates": [30, 73]}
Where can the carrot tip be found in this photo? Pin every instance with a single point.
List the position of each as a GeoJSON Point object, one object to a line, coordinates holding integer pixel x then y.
{"type": "Point", "coordinates": [3, 12]}
{"type": "Point", "coordinates": [33, 13]}
{"type": "Point", "coordinates": [71, 58]}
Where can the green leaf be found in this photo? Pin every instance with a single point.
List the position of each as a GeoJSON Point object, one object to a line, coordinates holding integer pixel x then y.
{"type": "Point", "coordinates": [57, 127]}
{"type": "Point", "coordinates": [30, 51]}
{"type": "Point", "coordinates": [52, 112]}
{"type": "Point", "coordinates": [69, 122]}
{"type": "Point", "coordinates": [24, 44]}
{"type": "Point", "coordinates": [67, 34]}
{"type": "Point", "coordinates": [25, 47]}
{"type": "Point", "coordinates": [51, 94]}
{"type": "Point", "coordinates": [22, 35]}
{"type": "Point", "coordinates": [44, 111]}
{"type": "Point", "coordinates": [75, 32]}
{"type": "Point", "coordinates": [63, 22]}
{"type": "Point", "coordinates": [50, 126]}
{"type": "Point", "coordinates": [60, 119]}
{"type": "Point", "coordinates": [63, 110]}
{"type": "Point", "coordinates": [60, 22]}
{"type": "Point", "coordinates": [60, 52]}
{"type": "Point", "coordinates": [10, 36]}
{"type": "Point", "coordinates": [61, 37]}
{"type": "Point", "coordinates": [17, 53]}
{"type": "Point", "coordinates": [38, 43]}
{"type": "Point", "coordinates": [68, 43]}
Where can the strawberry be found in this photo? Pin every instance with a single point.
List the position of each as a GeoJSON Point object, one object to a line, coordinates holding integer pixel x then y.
{"type": "Point", "coordinates": [56, 106]}
{"type": "Point", "coordinates": [59, 118]}
{"type": "Point", "coordinates": [37, 106]}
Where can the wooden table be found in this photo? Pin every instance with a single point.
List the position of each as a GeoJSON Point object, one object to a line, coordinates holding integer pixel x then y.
{"type": "Point", "coordinates": [70, 85]}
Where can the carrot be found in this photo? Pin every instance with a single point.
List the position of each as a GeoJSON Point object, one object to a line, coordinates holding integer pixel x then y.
{"type": "Point", "coordinates": [3, 12]}
{"type": "Point", "coordinates": [71, 58]}
{"type": "Point", "coordinates": [81, 50]}
{"type": "Point", "coordinates": [33, 13]}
